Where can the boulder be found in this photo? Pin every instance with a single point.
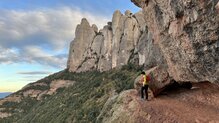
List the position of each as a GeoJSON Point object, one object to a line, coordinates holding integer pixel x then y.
{"type": "Point", "coordinates": [159, 80]}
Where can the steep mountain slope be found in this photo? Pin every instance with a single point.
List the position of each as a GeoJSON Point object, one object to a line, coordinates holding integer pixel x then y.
{"type": "Point", "coordinates": [81, 102]}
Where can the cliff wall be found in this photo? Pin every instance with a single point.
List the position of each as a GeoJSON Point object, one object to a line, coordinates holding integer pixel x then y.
{"type": "Point", "coordinates": [187, 32]}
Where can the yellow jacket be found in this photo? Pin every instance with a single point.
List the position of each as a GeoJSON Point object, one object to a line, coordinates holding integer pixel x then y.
{"type": "Point", "coordinates": [144, 80]}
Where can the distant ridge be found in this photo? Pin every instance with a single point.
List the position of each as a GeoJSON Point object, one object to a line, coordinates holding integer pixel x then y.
{"type": "Point", "coordinates": [4, 94]}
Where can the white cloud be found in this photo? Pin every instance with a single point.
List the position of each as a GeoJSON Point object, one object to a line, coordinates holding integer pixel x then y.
{"type": "Point", "coordinates": [33, 54]}
{"type": "Point", "coordinates": [48, 26]}
{"type": "Point", "coordinates": [33, 73]}
{"type": "Point", "coordinates": [26, 36]}
{"type": "Point", "coordinates": [8, 55]}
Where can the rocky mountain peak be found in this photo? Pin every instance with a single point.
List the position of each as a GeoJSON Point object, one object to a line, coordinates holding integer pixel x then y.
{"type": "Point", "coordinates": [84, 35]}
{"type": "Point", "coordinates": [119, 42]}
{"type": "Point", "coordinates": [128, 13]}
{"type": "Point", "coordinates": [84, 22]}
{"type": "Point", "coordinates": [95, 28]}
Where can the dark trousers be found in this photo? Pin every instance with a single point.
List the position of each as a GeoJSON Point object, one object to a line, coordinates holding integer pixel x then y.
{"type": "Point", "coordinates": [144, 89]}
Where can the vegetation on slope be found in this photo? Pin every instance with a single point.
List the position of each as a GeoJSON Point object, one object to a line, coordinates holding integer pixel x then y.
{"type": "Point", "coordinates": [82, 102]}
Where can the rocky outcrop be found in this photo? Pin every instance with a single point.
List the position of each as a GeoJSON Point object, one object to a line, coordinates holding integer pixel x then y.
{"type": "Point", "coordinates": [11, 98]}
{"type": "Point", "coordinates": [57, 84]}
{"type": "Point", "coordinates": [32, 93]}
{"type": "Point", "coordinates": [127, 34]}
{"type": "Point", "coordinates": [124, 40]}
{"type": "Point", "coordinates": [3, 114]}
{"type": "Point", "coordinates": [52, 89]}
{"type": "Point", "coordinates": [159, 80]}
{"type": "Point", "coordinates": [84, 35]}
{"type": "Point", "coordinates": [105, 58]}
{"type": "Point", "coordinates": [123, 108]}
{"type": "Point", "coordinates": [187, 34]}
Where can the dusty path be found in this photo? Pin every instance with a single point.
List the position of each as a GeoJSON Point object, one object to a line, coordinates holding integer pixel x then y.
{"type": "Point", "coordinates": [198, 105]}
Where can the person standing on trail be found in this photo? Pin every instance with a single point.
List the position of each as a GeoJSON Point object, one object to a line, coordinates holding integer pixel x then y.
{"type": "Point", "coordinates": [144, 88]}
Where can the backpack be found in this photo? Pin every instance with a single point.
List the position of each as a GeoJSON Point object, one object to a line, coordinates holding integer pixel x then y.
{"type": "Point", "coordinates": [148, 78]}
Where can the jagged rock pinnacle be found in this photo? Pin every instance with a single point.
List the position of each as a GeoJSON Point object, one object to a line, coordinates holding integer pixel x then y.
{"type": "Point", "coordinates": [85, 22]}
{"type": "Point", "coordinates": [112, 47]}
{"type": "Point", "coordinates": [95, 28]}
{"type": "Point", "coordinates": [128, 13]}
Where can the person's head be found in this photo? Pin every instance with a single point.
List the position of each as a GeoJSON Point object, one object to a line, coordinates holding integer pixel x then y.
{"type": "Point", "coordinates": [142, 73]}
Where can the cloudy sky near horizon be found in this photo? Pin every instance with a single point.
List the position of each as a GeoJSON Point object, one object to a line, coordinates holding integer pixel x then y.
{"type": "Point", "coordinates": [35, 35]}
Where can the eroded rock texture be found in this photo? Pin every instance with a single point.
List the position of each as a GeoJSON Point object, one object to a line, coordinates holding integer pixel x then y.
{"type": "Point", "coordinates": [124, 40]}
{"type": "Point", "coordinates": [187, 32]}
{"type": "Point", "coordinates": [84, 35]}
{"type": "Point", "coordinates": [159, 80]}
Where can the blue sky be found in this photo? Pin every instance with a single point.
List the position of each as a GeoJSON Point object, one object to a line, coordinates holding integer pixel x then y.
{"type": "Point", "coordinates": [35, 35]}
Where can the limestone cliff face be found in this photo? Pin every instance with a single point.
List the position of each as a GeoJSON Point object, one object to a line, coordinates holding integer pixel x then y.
{"type": "Point", "coordinates": [84, 36]}
{"type": "Point", "coordinates": [126, 39]}
{"type": "Point", "coordinates": [187, 32]}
